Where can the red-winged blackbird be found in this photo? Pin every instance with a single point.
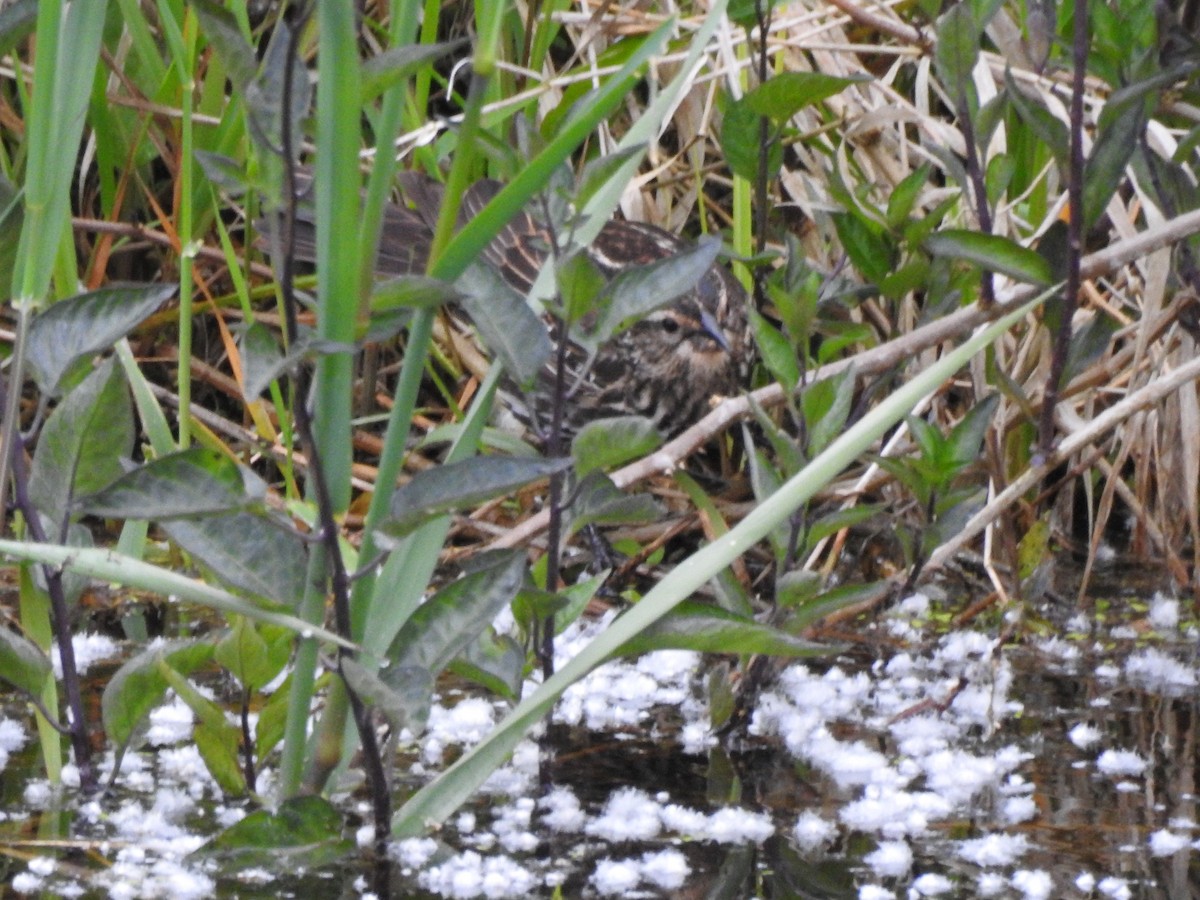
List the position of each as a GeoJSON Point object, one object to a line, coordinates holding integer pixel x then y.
{"type": "Point", "coordinates": [667, 367]}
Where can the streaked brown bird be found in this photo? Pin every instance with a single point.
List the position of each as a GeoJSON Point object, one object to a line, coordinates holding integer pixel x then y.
{"type": "Point", "coordinates": [668, 366]}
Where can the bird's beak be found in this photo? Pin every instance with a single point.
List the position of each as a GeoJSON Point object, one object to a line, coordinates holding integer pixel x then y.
{"type": "Point", "coordinates": [713, 329]}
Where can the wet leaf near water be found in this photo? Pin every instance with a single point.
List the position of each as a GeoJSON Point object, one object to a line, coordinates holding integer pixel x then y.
{"type": "Point", "coordinates": [307, 830]}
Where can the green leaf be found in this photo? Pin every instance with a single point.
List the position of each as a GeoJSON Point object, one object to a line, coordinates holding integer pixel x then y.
{"type": "Point", "coordinates": [580, 284]}
{"type": "Point", "coordinates": [496, 662]}
{"type": "Point", "coordinates": [833, 522]}
{"type": "Point", "coordinates": [966, 438]}
{"type": "Point", "coordinates": [226, 38]}
{"type": "Point", "coordinates": [638, 291]}
{"type": "Point", "coordinates": [506, 324]}
{"type": "Point", "coordinates": [403, 694]}
{"type": "Point", "coordinates": [138, 686]}
{"type": "Point", "coordinates": [83, 442]}
{"type": "Point", "coordinates": [608, 443]}
{"type": "Point", "coordinates": [447, 622]}
{"type": "Point", "coordinates": [992, 253]}
{"type": "Point", "coordinates": [64, 338]}
{"type": "Point", "coordinates": [740, 142]}
{"type": "Point", "coordinates": [215, 738]}
{"type": "Point", "coordinates": [411, 292]}
{"type": "Point", "coordinates": [262, 359]}
{"type": "Point", "coordinates": [248, 552]}
{"type": "Point", "coordinates": [826, 405]}
{"type": "Point", "coordinates": [22, 664]}
{"type": "Point", "coordinates": [600, 502]}
{"type": "Point", "coordinates": [1104, 170]}
{"type": "Point", "coordinates": [784, 95]}
{"type": "Point", "coordinates": [186, 483]}
{"type": "Point", "coordinates": [264, 95]}
{"type": "Point", "coordinates": [393, 65]}
{"type": "Point", "coordinates": [463, 484]}
{"type": "Point", "coordinates": [304, 832]}
{"type": "Point", "coordinates": [17, 21]}
{"type": "Point", "coordinates": [871, 252]}
{"type": "Point", "coordinates": [1044, 125]}
{"type": "Point", "coordinates": [904, 197]}
{"type": "Point", "coordinates": [600, 169]}
{"type": "Point", "coordinates": [707, 629]}
{"type": "Point", "coordinates": [812, 610]}
{"type": "Point", "coordinates": [254, 654]}
{"type": "Point", "coordinates": [957, 51]}
{"type": "Point", "coordinates": [776, 352]}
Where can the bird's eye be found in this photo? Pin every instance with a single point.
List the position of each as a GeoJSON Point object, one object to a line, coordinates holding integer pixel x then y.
{"type": "Point", "coordinates": [670, 326]}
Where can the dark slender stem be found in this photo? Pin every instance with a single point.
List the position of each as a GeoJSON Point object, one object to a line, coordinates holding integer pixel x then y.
{"type": "Point", "coordinates": [248, 768]}
{"type": "Point", "coordinates": [60, 616]}
{"type": "Point", "coordinates": [979, 187]}
{"type": "Point", "coordinates": [1062, 340]}
{"type": "Point", "coordinates": [762, 13]}
{"type": "Point", "coordinates": [554, 528]}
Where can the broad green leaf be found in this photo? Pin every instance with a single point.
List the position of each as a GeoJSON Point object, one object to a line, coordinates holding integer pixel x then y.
{"type": "Point", "coordinates": [608, 443]}
{"type": "Point", "coordinates": [966, 438]}
{"type": "Point", "coordinates": [496, 662]}
{"type": "Point", "coordinates": [815, 608]}
{"type": "Point", "coordinates": [904, 198]}
{"type": "Point", "coordinates": [740, 142]}
{"type": "Point", "coordinates": [263, 360]}
{"type": "Point", "coordinates": [506, 324]}
{"type": "Point", "coordinates": [191, 482]}
{"type": "Point", "coordinates": [138, 686]}
{"type": "Point", "coordinates": [447, 622]}
{"type": "Point", "coordinates": [638, 291]}
{"type": "Point", "coordinates": [254, 654]}
{"type": "Point", "coordinates": [22, 664]}
{"type": "Point", "coordinates": [17, 21]}
{"type": "Point", "coordinates": [403, 694]}
{"type": "Point", "coordinates": [215, 737]}
{"type": "Point", "coordinates": [600, 502]}
{"type": "Point", "coordinates": [304, 832]}
{"type": "Point", "coordinates": [225, 36]}
{"type": "Point", "coordinates": [64, 337]}
{"type": "Point", "coordinates": [395, 64]}
{"type": "Point", "coordinates": [776, 351]}
{"type": "Point", "coordinates": [223, 171]}
{"type": "Point", "coordinates": [264, 95]}
{"type": "Point", "coordinates": [835, 521]}
{"type": "Point", "coordinates": [1044, 125]}
{"type": "Point", "coordinates": [707, 629]}
{"type": "Point", "coordinates": [1104, 170]}
{"type": "Point", "coordinates": [992, 253]}
{"type": "Point", "coordinates": [580, 284]}
{"type": "Point", "coordinates": [870, 251]}
{"type": "Point", "coordinates": [83, 442]}
{"type": "Point", "coordinates": [408, 292]}
{"type": "Point", "coordinates": [463, 484]}
{"type": "Point", "coordinates": [826, 405]}
{"type": "Point", "coordinates": [248, 552]}
{"type": "Point", "coordinates": [784, 95]}
{"type": "Point", "coordinates": [600, 169]}
{"type": "Point", "coordinates": [957, 51]}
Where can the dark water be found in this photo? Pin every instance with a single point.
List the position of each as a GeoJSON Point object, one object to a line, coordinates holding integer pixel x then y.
{"type": "Point", "coordinates": [1064, 697]}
